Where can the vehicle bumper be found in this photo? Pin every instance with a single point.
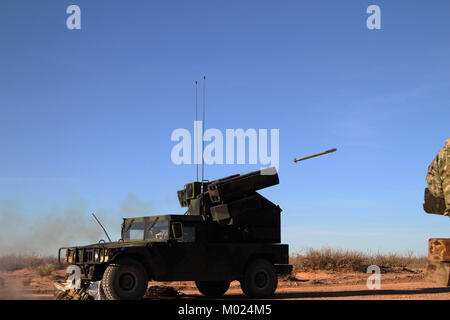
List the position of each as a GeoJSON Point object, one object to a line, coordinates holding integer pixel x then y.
{"type": "Point", "coordinates": [283, 268]}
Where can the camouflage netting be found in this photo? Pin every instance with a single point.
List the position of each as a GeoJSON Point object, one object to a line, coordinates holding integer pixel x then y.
{"type": "Point", "coordinates": [162, 291]}
{"type": "Point", "coordinates": [74, 294]}
{"type": "Point", "coordinates": [153, 291]}
{"type": "Point", "coordinates": [438, 179]}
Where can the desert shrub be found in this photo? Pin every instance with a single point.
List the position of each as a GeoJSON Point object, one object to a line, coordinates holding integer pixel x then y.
{"type": "Point", "coordinates": [395, 260]}
{"type": "Point", "coordinates": [45, 271]}
{"type": "Point", "coordinates": [18, 262]}
{"type": "Point", "coordinates": [331, 259]}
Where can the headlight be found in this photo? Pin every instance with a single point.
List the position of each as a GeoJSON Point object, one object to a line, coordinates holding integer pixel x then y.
{"type": "Point", "coordinates": [102, 255]}
{"type": "Point", "coordinates": [99, 255]}
{"type": "Point", "coordinates": [106, 254]}
{"type": "Point", "coordinates": [69, 256]}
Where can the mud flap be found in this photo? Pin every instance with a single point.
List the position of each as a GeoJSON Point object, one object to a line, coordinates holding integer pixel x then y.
{"type": "Point", "coordinates": [283, 269]}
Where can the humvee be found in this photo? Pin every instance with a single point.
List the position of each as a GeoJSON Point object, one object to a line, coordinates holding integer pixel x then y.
{"type": "Point", "coordinates": [229, 232]}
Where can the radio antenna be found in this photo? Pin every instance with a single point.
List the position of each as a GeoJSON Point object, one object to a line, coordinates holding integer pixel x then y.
{"type": "Point", "coordinates": [203, 131]}
{"type": "Point", "coordinates": [102, 227]}
{"type": "Point", "coordinates": [196, 119]}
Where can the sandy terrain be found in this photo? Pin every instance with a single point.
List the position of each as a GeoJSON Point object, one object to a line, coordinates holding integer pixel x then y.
{"type": "Point", "coordinates": [400, 284]}
{"type": "Point", "coordinates": [403, 284]}
{"type": "Point", "coordinates": [26, 285]}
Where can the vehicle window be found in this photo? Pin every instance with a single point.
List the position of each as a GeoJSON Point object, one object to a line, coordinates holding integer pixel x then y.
{"type": "Point", "coordinates": [188, 233]}
{"type": "Point", "coordinates": [135, 231]}
{"type": "Point", "coordinates": [157, 230]}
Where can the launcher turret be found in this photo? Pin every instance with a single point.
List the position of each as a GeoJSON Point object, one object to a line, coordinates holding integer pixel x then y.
{"type": "Point", "coordinates": [234, 208]}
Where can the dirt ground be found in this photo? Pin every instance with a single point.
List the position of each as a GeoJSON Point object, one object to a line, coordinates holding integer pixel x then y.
{"type": "Point", "coordinates": [396, 284]}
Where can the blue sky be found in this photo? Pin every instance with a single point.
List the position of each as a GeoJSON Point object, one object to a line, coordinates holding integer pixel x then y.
{"type": "Point", "coordinates": [86, 115]}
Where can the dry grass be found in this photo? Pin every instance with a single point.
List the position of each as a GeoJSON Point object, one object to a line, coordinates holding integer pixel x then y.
{"type": "Point", "coordinates": [45, 271]}
{"type": "Point", "coordinates": [330, 259]}
{"type": "Point", "coordinates": [327, 259]}
{"type": "Point", "coordinates": [32, 262]}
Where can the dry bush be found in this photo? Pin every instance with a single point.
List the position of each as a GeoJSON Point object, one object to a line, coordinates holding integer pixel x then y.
{"type": "Point", "coordinates": [330, 259]}
{"type": "Point", "coordinates": [45, 271]}
{"type": "Point", "coordinates": [32, 262]}
{"type": "Point", "coordinates": [395, 260]}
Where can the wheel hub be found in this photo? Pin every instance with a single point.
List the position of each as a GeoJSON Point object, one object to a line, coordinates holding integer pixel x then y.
{"type": "Point", "coordinates": [127, 281]}
{"type": "Point", "coordinates": [261, 279]}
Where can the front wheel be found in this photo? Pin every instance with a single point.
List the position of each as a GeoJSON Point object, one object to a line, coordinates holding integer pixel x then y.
{"type": "Point", "coordinates": [260, 279]}
{"type": "Point", "coordinates": [124, 280]}
{"type": "Point", "coordinates": [213, 288]}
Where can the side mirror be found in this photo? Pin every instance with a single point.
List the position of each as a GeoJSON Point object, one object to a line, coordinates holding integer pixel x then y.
{"type": "Point", "coordinates": [177, 231]}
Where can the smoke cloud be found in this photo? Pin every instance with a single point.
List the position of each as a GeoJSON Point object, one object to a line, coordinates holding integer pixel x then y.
{"type": "Point", "coordinates": [42, 233]}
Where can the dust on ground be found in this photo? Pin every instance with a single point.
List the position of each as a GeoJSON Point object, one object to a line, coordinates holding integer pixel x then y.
{"type": "Point", "coordinates": [25, 284]}
{"type": "Point", "coordinates": [401, 283]}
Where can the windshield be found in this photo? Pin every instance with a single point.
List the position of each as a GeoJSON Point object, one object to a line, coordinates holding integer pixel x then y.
{"type": "Point", "coordinates": [134, 231]}
{"type": "Point", "coordinates": [157, 230]}
{"type": "Point", "coordinates": [153, 230]}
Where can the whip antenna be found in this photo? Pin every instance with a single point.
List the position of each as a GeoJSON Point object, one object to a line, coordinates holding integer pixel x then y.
{"type": "Point", "coordinates": [196, 119]}
{"type": "Point", "coordinates": [203, 131]}
{"type": "Point", "coordinates": [102, 227]}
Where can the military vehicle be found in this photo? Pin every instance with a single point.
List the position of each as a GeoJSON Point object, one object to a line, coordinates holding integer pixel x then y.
{"type": "Point", "coordinates": [229, 232]}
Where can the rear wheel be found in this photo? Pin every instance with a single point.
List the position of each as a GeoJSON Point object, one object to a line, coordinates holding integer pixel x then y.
{"type": "Point", "coordinates": [260, 279]}
{"type": "Point", "coordinates": [124, 280]}
{"type": "Point", "coordinates": [213, 288]}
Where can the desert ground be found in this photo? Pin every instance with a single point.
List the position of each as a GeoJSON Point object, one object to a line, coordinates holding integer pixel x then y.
{"type": "Point", "coordinates": [397, 284]}
{"type": "Point", "coordinates": [318, 274]}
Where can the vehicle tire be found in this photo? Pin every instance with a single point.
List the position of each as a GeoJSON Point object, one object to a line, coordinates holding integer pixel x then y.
{"type": "Point", "coordinates": [260, 279]}
{"type": "Point", "coordinates": [213, 288]}
{"type": "Point", "coordinates": [101, 292]}
{"type": "Point", "coordinates": [124, 280]}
